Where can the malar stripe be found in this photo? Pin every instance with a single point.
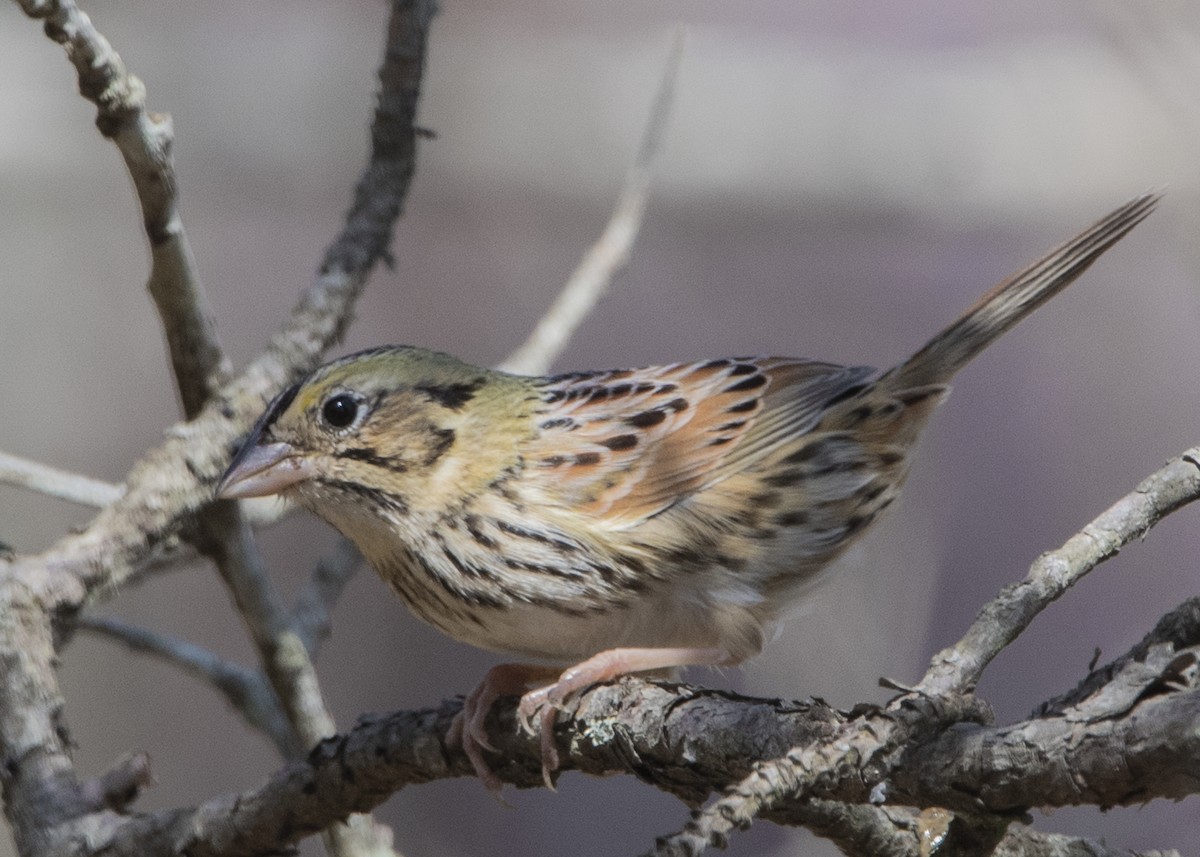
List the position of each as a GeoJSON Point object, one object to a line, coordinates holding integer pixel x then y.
{"type": "Point", "coordinates": [379, 498]}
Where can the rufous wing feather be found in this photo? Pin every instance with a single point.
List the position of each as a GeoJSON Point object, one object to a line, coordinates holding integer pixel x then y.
{"type": "Point", "coordinates": [625, 445]}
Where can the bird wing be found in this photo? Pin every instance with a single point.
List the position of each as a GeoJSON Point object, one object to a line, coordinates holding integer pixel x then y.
{"type": "Point", "coordinates": [624, 445]}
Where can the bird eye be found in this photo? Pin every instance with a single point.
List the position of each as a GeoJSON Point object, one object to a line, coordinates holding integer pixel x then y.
{"type": "Point", "coordinates": [340, 411]}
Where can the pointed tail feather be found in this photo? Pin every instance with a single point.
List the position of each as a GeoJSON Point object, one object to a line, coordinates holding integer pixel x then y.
{"type": "Point", "coordinates": [1010, 301]}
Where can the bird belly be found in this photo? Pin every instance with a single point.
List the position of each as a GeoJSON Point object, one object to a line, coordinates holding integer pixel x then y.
{"type": "Point", "coordinates": [569, 628]}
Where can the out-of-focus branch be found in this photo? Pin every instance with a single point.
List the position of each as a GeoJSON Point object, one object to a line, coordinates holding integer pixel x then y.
{"type": "Point", "coordinates": [246, 690]}
{"type": "Point", "coordinates": [22, 473]}
{"type": "Point", "coordinates": [958, 668]}
{"type": "Point", "coordinates": [228, 541]}
{"type": "Point", "coordinates": [609, 255]}
{"type": "Point", "coordinates": [312, 615]}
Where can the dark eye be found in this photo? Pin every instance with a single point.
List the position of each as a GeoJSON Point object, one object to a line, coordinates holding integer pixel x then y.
{"type": "Point", "coordinates": [340, 411]}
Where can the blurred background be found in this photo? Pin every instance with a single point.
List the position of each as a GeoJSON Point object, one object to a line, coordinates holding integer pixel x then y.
{"type": "Point", "coordinates": [839, 180]}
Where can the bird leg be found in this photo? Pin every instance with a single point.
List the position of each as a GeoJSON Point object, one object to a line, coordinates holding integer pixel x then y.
{"type": "Point", "coordinates": [547, 701]}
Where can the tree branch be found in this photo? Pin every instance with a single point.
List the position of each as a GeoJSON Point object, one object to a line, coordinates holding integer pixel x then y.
{"type": "Point", "coordinates": [312, 615]}
{"type": "Point", "coordinates": [953, 672]}
{"type": "Point", "coordinates": [176, 479]}
{"type": "Point", "coordinates": [688, 742]}
{"type": "Point", "coordinates": [958, 668]}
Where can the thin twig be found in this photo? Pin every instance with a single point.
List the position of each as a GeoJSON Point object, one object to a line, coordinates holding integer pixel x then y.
{"type": "Point", "coordinates": [312, 614]}
{"type": "Point", "coordinates": [260, 605]}
{"type": "Point", "coordinates": [22, 473]}
{"type": "Point", "coordinates": [609, 255]}
{"type": "Point", "coordinates": [958, 668]}
{"type": "Point", "coordinates": [1177, 630]}
{"type": "Point", "coordinates": [246, 690]}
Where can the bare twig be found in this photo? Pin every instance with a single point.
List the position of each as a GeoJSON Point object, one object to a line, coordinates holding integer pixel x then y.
{"type": "Point", "coordinates": [1177, 630]}
{"type": "Point", "coordinates": [311, 617]}
{"type": "Point", "coordinates": [958, 668]}
{"type": "Point", "coordinates": [51, 481]}
{"type": "Point", "coordinates": [246, 690]}
{"type": "Point", "coordinates": [609, 255]}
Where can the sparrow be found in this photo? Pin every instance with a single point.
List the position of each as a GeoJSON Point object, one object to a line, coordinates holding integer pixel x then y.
{"type": "Point", "coordinates": [616, 521]}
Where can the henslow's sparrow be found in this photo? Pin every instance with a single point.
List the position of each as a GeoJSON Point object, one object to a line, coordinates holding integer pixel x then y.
{"type": "Point", "coordinates": [619, 521]}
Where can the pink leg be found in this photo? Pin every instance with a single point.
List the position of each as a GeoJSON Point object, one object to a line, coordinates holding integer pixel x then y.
{"type": "Point", "coordinates": [602, 667]}
{"type": "Point", "coordinates": [468, 729]}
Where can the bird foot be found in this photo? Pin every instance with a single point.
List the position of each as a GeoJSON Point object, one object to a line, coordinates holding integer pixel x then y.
{"type": "Point", "coordinates": [468, 730]}
{"type": "Point", "coordinates": [544, 703]}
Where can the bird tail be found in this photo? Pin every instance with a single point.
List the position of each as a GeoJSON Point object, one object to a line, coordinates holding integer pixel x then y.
{"type": "Point", "coordinates": [1011, 300]}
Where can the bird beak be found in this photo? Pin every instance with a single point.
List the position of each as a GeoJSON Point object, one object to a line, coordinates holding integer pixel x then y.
{"type": "Point", "coordinates": [260, 470]}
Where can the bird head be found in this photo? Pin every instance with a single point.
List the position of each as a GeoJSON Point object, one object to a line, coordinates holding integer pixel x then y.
{"type": "Point", "coordinates": [394, 425]}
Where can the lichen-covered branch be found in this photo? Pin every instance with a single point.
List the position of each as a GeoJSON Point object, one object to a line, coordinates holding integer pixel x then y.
{"type": "Point", "coordinates": [690, 742]}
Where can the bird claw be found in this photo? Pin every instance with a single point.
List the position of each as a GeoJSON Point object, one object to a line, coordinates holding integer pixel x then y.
{"type": "Point", "coordinates": [539, 702]}
{"type": "Point", "coordinates": [463, 734]}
